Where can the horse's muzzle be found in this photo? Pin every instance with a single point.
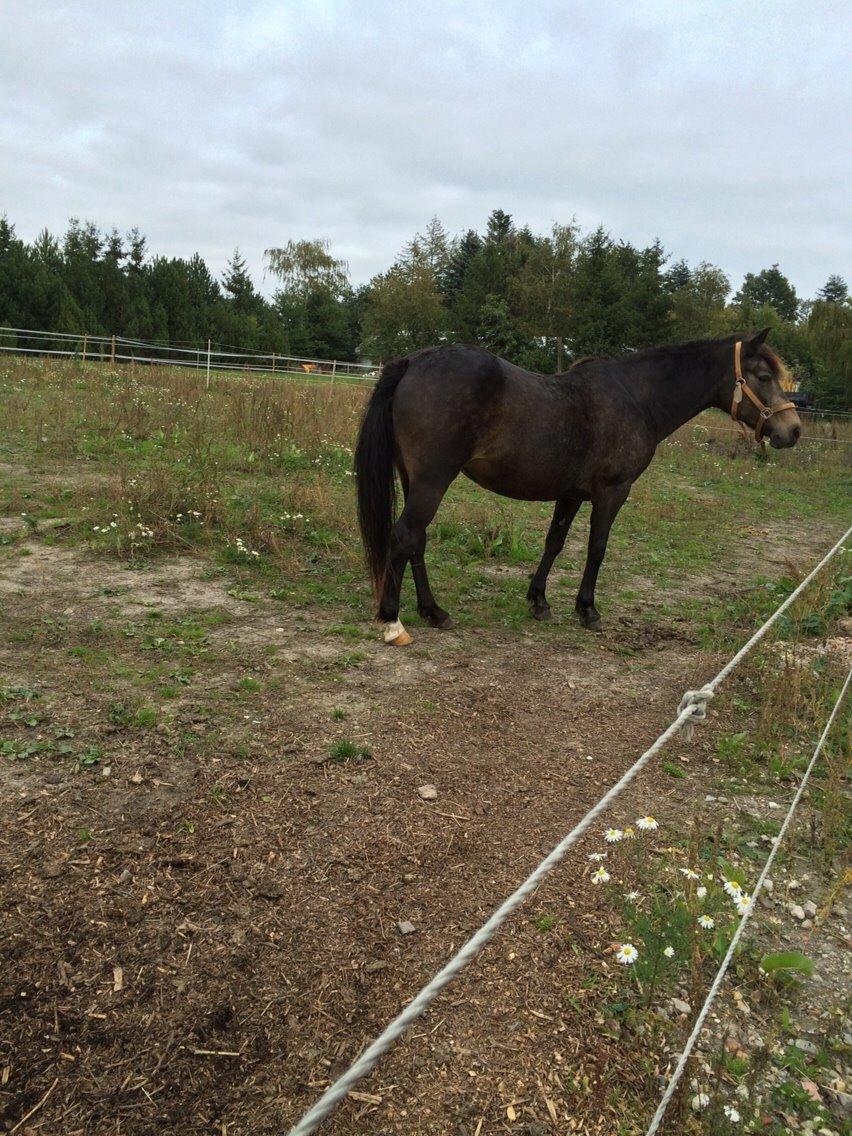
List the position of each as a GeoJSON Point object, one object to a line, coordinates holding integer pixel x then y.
{"type": "Point", "coordinates": [782, 438]}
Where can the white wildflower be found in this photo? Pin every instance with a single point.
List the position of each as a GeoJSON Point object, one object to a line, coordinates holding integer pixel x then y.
{"type": "Point", "coordinates": [701, 892]}
{"type": "Point", "coordinates": [632, 896]}
{"type": "Point", "coordinates": [707, 922]}
{"type": "Point", "coordinates": [627, 954]}
{"type": "Point", "coordinates": [741, 902]}
{"type": "Point", "coordinates": [669, 952]}
{"type": "Point", "coordinates": [732, 887]}
{"type": "Point", "coordinates": [690, 873]}
{"type": "Point", "coordinates": [731, 1114]}
{"type": "Point", "coordinates": [613, 835]}
{"type": "Point", "coordinates": [647, 823]}
{"type": "Point", "coordinates": [596, 856]}
{"type": "Point", "coordinates": [601, 876]}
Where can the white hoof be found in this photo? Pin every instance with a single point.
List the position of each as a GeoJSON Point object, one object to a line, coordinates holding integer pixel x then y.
{"type": "Point", "coordinates": [395, 634]}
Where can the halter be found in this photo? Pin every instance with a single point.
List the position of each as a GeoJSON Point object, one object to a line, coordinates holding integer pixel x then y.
{"type": "Point", "coordinates": [741, 388]}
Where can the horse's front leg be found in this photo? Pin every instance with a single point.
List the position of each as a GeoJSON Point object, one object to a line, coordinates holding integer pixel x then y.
{"type": "Point", "coordinates": [605, 508]}
{"type": "Point", "coordinates": [563, 514]}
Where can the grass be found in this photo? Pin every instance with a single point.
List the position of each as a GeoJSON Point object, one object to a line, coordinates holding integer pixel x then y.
{"type": "Point", "coordinates": [256, 476]}
{"type": "Point", "coordinates": [791, 689]}
{"type": "Point", "coordinates": [347, 750]}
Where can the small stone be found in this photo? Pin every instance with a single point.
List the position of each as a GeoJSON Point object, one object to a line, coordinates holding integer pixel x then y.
{"type": "Point", "coordinates": [796, 911]}
{"type": "Point", "coordinates": [806, 1046]}
{"type": "Point", "coordinates": [810, 909]}
{"type": "Point", "coordinates": [136, 778]}
{"type": "Point", "coordinates": [428, 792]}
{"type": "Point", "coordinates": [681, 1006]}
{"type": "Point", "coordinates": [807, 924]}
{"type": "Point", "coordinates": [406, 928]}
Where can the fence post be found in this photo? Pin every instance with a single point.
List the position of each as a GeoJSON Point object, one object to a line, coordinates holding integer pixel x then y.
{"type": "Point", "coordinates": [85, 344]}
{"type": "Point", "coordinates": [207, 384]}
{"type": "Point", "coordinates": [333, 369]}
{"type": "Point", "coordinates": [273, 362]}
{"type": "Point", "coordinates": [112, 351]}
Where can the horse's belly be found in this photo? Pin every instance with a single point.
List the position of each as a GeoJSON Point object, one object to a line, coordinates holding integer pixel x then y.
{"type": "Point", "coordinates": [522, 484]}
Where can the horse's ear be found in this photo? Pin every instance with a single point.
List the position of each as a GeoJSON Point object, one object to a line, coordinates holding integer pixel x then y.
{"type": "Point", "coordinates": [754, 342]}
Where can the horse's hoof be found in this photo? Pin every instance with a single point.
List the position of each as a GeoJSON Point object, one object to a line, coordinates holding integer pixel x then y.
{"type": "Point", "coordinates": [542, 614]}
{"type": "Point", "coordinates": [437, 618]}
{"type": "Point", "coordinates": [589, 618]}
{"type": "Point", "coordinates": [395, 635]}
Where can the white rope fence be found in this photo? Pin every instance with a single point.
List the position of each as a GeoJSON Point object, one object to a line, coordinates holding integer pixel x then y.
{"type": "Point", "coordinates": [729, 954]}
{"type": "Point", "coordinates": [120, 349]}
{"type": "Point", "coordinates": [693, 708]}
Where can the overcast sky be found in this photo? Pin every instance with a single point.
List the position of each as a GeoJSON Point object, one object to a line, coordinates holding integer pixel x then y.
{"type": "Point", "coordinates": [721, 128]}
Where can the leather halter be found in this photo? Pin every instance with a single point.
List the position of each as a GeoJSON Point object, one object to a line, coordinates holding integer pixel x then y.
{"type": "Point", "coordinates": [741, 388]}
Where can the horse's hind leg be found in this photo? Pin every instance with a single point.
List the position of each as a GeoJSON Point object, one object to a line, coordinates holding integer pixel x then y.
{"type": "Point", "coordinates": [427, 608]}
{"type": "Point", "coordinates": [408, 539]}
{"type": "Point", "coordinates": [563, 514]}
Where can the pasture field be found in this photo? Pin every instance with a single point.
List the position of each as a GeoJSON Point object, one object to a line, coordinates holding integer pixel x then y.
{"type": "Point", "coordinates": [213, 842]}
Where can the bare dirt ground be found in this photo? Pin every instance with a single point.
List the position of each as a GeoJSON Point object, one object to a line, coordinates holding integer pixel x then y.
{"type": "Point", "coordinates": [201, 929]}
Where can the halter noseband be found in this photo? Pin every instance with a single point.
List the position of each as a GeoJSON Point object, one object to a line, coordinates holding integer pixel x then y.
{"type": "Point", "coordinates": [741, 388]}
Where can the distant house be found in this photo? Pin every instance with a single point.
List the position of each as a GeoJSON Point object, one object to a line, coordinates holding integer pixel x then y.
{"type": "Point", "coordinates": [801, 399]}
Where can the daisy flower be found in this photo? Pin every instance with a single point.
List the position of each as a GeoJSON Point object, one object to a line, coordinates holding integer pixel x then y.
{"type": "Point", "coordinates": [669, 952]}
{"type": "Point", "coordinates": [633, 895]}
{"type": "Point", "coordinates": [731, 1114]}
{"type": "Point", "coordinates": [707, 922]}
{"type": "Point", "coordinates": [690, 873]}
{"type": "Point", "coordinates": [613, 835]}
{"type": "Point", "coordinates": [701, 891]}
{"type": "Point", "coordinates": [647, 824]}
{"type": "Point", "coordinates": [595, 856]}
{"type": "Point", "coordinates": [629, 832]}
{"type": "Point", "coordinates": [627, 954]}
{"type": "Point", "coordinates": [601, 876]}
{"type": "Point", "coordinates": [741, 902]}
{"type": "Point", "coordinates": [731, 887]}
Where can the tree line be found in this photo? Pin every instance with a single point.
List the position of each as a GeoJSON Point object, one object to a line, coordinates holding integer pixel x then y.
{"type": "Point", "coordinates": [540, 300]}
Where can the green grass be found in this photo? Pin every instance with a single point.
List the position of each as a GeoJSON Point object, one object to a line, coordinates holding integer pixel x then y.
{"type": "Point", "coordinates": [347, 750]}
{"type": "Point", "coordinates": [255, 478]}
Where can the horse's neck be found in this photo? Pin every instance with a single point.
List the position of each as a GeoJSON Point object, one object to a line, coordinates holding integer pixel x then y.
{"type": "Point", "coordinates": [679, 390]}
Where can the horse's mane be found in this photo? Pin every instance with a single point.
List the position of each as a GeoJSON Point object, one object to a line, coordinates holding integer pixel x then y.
{"type": "Point", "coordinates": [782, 372]}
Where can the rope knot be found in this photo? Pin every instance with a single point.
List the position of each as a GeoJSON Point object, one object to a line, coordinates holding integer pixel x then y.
{"type": "Point", "coordinates": [695, 701]}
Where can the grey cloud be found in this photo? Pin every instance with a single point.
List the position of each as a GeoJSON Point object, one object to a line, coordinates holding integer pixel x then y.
{"type": "Point", "coordinates": [715, 127]}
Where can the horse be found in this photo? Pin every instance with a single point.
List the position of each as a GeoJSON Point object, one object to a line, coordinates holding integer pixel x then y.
{"type": "Point", "coordinates": [585, 434]}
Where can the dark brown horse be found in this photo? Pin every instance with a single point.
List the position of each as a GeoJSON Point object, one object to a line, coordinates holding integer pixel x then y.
{"type": "Point", "coordinates": [584, 435]}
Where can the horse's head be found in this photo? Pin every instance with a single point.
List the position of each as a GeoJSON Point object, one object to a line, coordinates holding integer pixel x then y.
{"type": "Point", "coordinates": [757, 392]}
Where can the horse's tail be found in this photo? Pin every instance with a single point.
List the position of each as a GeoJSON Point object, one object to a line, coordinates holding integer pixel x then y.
{"type": "Point", "coordinates": [374, 472]}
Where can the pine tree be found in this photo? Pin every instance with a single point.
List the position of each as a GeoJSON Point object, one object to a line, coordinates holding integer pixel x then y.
{"type": "Point", "coordinates": [834, 291]}
{"type": "Point", "coordinates": [238, 285]}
